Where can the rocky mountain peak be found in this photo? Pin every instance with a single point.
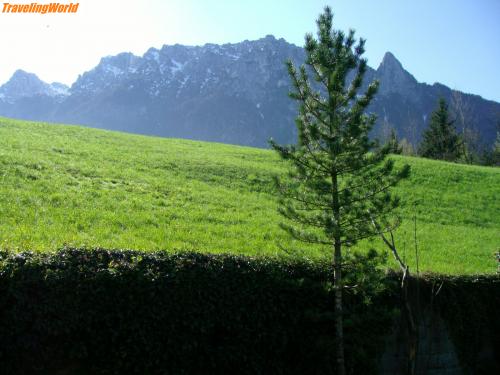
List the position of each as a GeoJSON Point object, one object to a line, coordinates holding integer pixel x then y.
{"type": "Point", "coordinates": [393, 77]}
{"type": "Point", "coordinates": [389, 61]}
{"type": "Point", "coordinates": [122, 63]}
{"type": "Point", "coordinates": [22, 74]}
{"type": "Point", "coordinates": [25, 85]}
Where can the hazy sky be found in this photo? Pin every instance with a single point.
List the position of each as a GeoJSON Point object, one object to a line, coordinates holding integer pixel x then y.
{"type": "Point", "coordinates": [455, 42]}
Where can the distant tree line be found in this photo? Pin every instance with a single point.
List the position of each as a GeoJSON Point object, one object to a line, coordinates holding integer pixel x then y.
{"type": "Point", "coordinates": [441, 141]}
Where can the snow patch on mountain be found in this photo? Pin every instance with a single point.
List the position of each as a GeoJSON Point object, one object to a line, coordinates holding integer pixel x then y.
{"type": "Point", "coordinates": [113, 70]}
{"type": "Point", "coordinates": [177, 67]}
{"type": "Point", "coordinates": [58, 89]}
{"type": "Point", "coordinates": [183, 83]}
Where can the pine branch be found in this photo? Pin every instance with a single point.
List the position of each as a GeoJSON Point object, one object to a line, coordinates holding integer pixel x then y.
{"type": "Point", "coordinates": [302, 236]}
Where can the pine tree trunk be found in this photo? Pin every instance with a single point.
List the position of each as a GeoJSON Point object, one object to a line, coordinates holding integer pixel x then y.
{"type": "Point", "coordinates": [337, 280]}
{"type": "Point", "coordinates": [339, 324]}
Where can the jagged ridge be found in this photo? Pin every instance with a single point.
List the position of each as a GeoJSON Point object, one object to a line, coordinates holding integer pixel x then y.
{"type": "Point", "coordinates": [233, 93]}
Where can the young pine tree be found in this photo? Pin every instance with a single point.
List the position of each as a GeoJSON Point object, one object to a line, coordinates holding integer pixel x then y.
{"type": "Point", "coordinates": [492, 157]}
{"type": "Point", "coordinates": [338, 179]}
{"type": "Point", "coordinates": [393, 143]}
{"type": "Point", "coordinates": [440, 140]}
{"type": "Point", "coordinates": [496, 151]}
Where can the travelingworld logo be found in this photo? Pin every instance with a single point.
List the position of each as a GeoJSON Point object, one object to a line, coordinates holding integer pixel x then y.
{"type": "Point", "coordinates": [40, 8]}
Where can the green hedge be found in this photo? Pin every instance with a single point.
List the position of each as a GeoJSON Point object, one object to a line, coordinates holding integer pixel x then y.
{"type": "Point", "coordinates": [116, 312]}
{"type": "Point", "coordinates": [470, 307]}
{"type": "Point", "coordinates": [96, 311]}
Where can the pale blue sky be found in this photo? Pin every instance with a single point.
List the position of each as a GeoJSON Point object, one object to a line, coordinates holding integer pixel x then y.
{"type": "Point", "coordinates": [455, 42]}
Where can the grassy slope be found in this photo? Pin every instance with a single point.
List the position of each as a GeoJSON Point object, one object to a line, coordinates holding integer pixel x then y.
{"type": "Point", "coordinates": [73, 185]}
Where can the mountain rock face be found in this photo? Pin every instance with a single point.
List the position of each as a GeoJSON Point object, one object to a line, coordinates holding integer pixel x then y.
{"type": "Point", "coordinates": [26, 96]}
{"type": "Point", "coordinates": [24, 85]}
{"type": "Point", "coordinates": [231, 93]}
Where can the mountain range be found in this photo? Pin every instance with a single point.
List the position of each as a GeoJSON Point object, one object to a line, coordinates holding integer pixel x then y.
{"type": "Point", "coordinates": [230, 93]}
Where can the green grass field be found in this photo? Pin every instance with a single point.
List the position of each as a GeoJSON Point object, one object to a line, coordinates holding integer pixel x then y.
{"type": "Point", "coordinates": [78, 186]}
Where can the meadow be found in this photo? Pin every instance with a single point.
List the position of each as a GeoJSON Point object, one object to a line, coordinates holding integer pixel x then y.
{"type": "Point", "coordinates": [70, 185]}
